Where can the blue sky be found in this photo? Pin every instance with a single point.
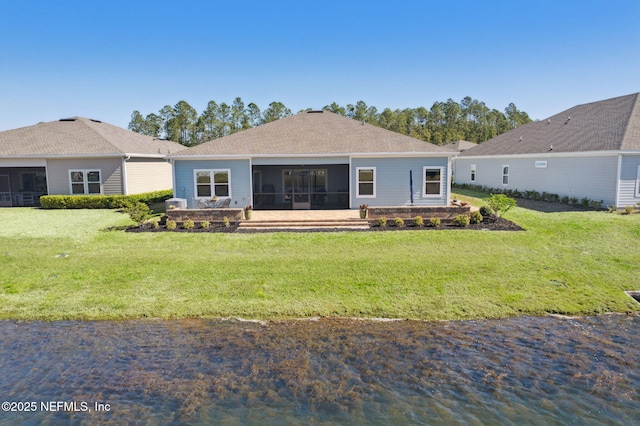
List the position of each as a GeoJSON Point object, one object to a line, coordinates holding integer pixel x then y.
{"type": "Point", "coordinates": [104, 59]}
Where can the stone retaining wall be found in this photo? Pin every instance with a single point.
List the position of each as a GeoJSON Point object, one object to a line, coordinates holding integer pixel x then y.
{"type": "Point", "coordinates": [409, 212]}
{"type": "Point", "coordinates": [200, 215]}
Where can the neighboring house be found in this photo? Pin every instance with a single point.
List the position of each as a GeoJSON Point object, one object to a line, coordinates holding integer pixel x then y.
{"type": "Point", "coordinates": [588, 151]}
{"type": "Point", "coordinates": [314, 160]}
{"type": "Point", "coordinates": [80, 156]}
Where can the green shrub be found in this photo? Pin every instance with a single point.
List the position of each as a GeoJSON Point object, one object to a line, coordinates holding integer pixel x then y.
{"type": "Point", "coordinates": [595, 205]}
{"type": "Point", "coordinates": [225, 221]}
{"type": "Point", "coordinates": [382, 222]}
{"type": "Point", "coordinates": [584, 203]}
{"type": "Point", "coordinates": [138, 212]}
{"type": "Point", "coordinates": [418, 221]}
{"type": "Point", "coordinates": [188, 224]}
{"type": "Point", "coordinates": [398, 221]}
{"type": "Point", "coordinates": [102, 201]}
{"type": "Point", "coordinates": [462, 220]}
{"type": "Point", "coordinates": [628, 210]}
{"type": "Point", "coordinates": [500, 203]}
{"type": "Point", "coordinates": [205, 224]}
{"type": "Point", "coordinates": [475, 217]}
{"type": "Point", "coordinates": [612, 209]}
{"type": "Point", "coordinates": [171, 225]}
{"type": "Point", "coordinates": [434, 221]}
{"type": "Point", "coordinates": [155, 224]}
{"type": "Point", "coordinates": [487, 212]}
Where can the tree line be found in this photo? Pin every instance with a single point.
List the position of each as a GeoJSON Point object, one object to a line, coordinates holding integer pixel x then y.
{"type": "Point", "coordinates": [444, 122]}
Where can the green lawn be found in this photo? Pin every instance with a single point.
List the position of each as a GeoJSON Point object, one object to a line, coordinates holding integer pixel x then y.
{"type": "Point", "coordinates": [61, 265]}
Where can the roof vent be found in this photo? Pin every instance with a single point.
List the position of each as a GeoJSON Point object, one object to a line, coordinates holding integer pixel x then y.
{"type": "Point", "coordinates": [95, 121]}
{"type": "Point", "coordinates": [565, 123]}
{"type": "Point", "coordinates": [315, 111]}
{"type": "Point", "coordinates": [520, 138]}
{"type": "Point", "coordinates": [68, 119]}
{"type": "Point", "coordinates": [549, 121]}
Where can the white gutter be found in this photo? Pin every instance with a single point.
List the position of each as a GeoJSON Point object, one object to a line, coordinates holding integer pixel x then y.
{"type": "Point", "coordinates": [328, 155]}
{"type": "Point", "coordinates": [65, 156]}
{"type": "Point", "coordinates": [547, 155]}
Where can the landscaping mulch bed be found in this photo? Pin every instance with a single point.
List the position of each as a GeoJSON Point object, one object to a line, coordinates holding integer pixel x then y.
{"type": "Point", "coordinates": [497, 224]}
{"type": "Point", "coordinates": [162, 228]}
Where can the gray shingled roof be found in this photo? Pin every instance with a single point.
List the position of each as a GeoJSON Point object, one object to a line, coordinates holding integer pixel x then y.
{"type": "Point", "coordinates": [312, 133]}
{"type": "Point", "coordinates": [608, 125]}
{"type": "Point", "coordinates": [80, 136]}
{"type": "Point", "coordinates": [459, 145]}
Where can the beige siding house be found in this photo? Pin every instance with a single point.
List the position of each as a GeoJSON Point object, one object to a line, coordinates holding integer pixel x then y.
{"type": "Point", "coordinates": [80, 156]}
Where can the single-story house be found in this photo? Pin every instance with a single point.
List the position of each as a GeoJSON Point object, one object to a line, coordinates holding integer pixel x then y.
{"type": "Point", "coordinates": [314, 160]}
{"type": "Point", "coordinates": [80, 156]}
{"type": "Point", "coordinates": [589, 151]}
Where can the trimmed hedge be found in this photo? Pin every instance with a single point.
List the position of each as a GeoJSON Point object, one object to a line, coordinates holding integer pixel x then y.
{"type": "Point", "coordinates": [102, 201]}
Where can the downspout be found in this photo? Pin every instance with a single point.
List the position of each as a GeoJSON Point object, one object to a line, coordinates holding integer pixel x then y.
{"type": "Point", "coordinates": [46, 172]}
{"type": "Point", "coordinates": [250, 182]}
{"type": "Point", "coordinates": [124, 174]}
{"type": "Point", "coordinates": [173, 175]}
{"type": "Point", "coordinates": [618, 175]}
{"type": "Point", "coordinates": [350, 179]}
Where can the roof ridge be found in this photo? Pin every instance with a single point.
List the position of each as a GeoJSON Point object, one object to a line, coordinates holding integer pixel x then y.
{"type": "Point", "coordinates": [633, 122]}
{"type": "Point", "coordinates": [87, 123]}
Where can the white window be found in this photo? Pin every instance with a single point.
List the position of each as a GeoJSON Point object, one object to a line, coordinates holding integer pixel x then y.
{"type": "Point", "coordinates": [473, 173]}
{"type": "Point", "coordinates": [85, 182]}
{"type": "Point", "coordinates": [209, 183]}
{"type": "Point", "coordinates": [366, 185]}
{"type": "Point", "coordinates": [432, 181]}
{"type": "Point", "coordinates": [505, 175]}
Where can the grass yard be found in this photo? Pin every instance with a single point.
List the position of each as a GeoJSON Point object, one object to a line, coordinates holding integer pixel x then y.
{"type": "Point", "coordinates": [61, 265]}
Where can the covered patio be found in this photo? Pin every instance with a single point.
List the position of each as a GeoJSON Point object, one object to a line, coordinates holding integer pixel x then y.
{"type": "Point", "coordinates": [301, 187]}
{"type": "Point", "coordinates": [22, 186]}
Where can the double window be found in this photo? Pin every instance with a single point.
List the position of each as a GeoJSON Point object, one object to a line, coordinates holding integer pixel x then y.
{"type": "Point", "coordinates": [432, 181]}
{"type": "Point", "coordinates": [211, 183]}
{"type": "Point", "coordinates": [85, 182]}
{"type": "Point", "coordinates": [366, 184]}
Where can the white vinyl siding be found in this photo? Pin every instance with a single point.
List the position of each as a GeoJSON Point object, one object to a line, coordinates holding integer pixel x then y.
{"type": "Point", "coordinates": [432, 181]}
{"type": "Point", "coordinates": [85, 182]}
{"type": "Point", "coordinates": [366, 182]}
{"type": "Point", "coordinates": [638, 183]}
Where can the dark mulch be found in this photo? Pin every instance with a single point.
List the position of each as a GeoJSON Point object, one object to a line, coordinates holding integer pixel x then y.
{"type": "Point", "coordinates": [213, 228]}
{"type": "Point", "coordinates": [497, 224]}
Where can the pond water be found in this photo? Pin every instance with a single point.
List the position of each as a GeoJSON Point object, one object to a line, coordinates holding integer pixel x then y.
{"type": "Point", "coordinates": [527, 370]}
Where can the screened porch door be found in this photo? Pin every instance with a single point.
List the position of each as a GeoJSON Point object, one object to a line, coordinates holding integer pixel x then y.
{"type": "Point", "coordinates": [301, 194]}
